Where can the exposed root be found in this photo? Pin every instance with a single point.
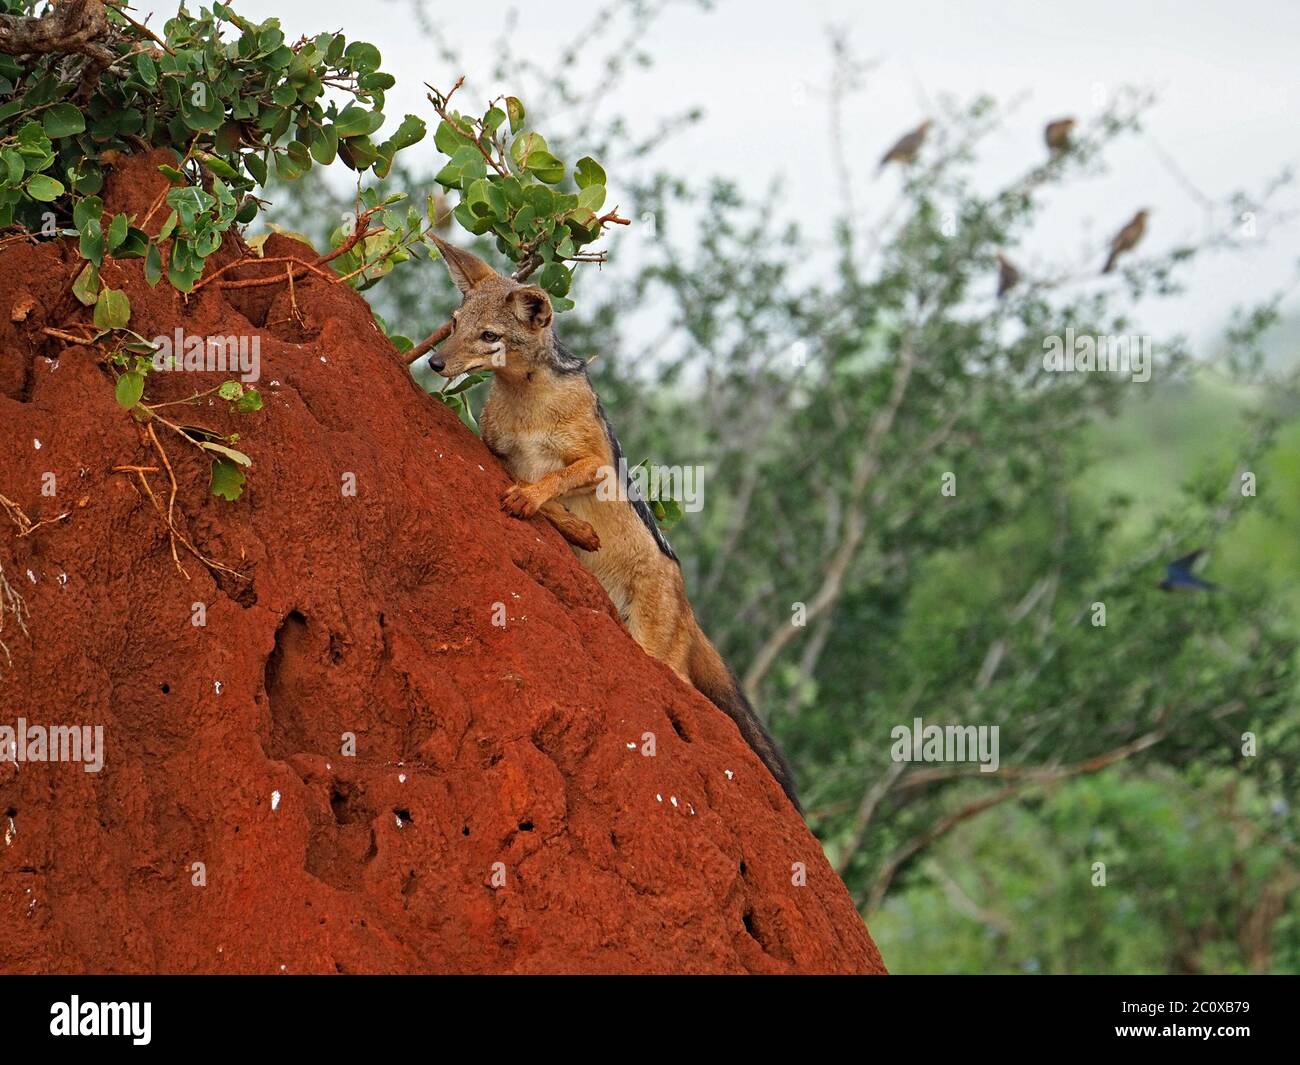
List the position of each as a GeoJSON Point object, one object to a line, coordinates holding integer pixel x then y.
{"type": "Point", "coordinates": [25, 524]}
{"type": "Point", "coordinates": [15, 514]}
{"type": "Point", "coordinates": [171, 501]}
{"type": "Point", "coordinates": [359, 231]}
{"type": "Point", "coordinates": [11, 601]}
{"type": "Point", "coordinates": [167, 514]}
{"type": "Point", "coordinates": [71, 338]}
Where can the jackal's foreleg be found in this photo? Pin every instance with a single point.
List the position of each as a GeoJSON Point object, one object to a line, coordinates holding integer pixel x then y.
{"type": "Point", "coordinates": [525, 500]}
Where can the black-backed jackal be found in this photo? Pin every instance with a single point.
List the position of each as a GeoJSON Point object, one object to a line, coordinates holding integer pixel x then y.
{"type": "Point", "coordinates": [544, 421]}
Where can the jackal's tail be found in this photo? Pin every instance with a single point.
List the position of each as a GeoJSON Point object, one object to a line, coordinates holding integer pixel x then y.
{"type": "Point", "coordinates": [714, 679]}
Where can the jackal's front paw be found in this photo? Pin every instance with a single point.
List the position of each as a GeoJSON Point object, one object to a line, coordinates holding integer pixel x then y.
{"type": "Point", "coordinates": [521, 501]}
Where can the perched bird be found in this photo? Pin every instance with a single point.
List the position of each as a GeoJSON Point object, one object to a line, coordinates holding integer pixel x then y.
{"type": "Point", "coordinates": [1008, 275]}
{"type": "Point", "coordinates": [1057, 135]}
{"type": "Point", "coordinates": [1178, 574]}
{"type": "Point", "coordinates": [908, 146]}
{"type": "Point", "coordinates": [1126, 239]}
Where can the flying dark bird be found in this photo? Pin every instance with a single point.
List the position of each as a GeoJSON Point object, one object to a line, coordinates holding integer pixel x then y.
{"type": "Point", "coordinates": [1008, 275]}
{"type": "Point", "coordinates": [905, 151]}
{"type": "Point", "coordinates": [1126, 239]}
{"type": "Point", "coordinates": [1057, 135]}
{"type": "Point", "coordinates": [1178, 574]}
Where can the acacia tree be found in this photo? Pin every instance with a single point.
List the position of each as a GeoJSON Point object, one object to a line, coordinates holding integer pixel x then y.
{"type": "Point", "coordinates": [858, 593]}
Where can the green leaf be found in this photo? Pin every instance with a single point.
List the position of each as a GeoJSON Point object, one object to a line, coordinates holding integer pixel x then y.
{"type": "Point", "coordinates": [112, 309]}
{"type": "Point", "coordinates": [448, 177]}
{"type": "Point", "coordinates": [153, 265]}
{"type": "Point", "coordinates": [249, 402]}
{"type": "Point", "coordinates": [218, 166]}
{"type": "Point", "coordinates": [668, 512]}
{"type": "Point", "coordinates": [325, 145]}
{"type": "Point", "coordinates": [486, 200]}
{"type": "Point", "coordinates": [117, 231]}
{"type": "Point", "coordinates": [130, 388]}
{"type": "Point", "coordinates": [91, 244]}
{"type": "Point", "coordinates": [588, 172]}
{"type": "Point", "coordinates": [88, 209]}
{"type": "Point", "coordinates": [592, 197]}
{"type": "Point", "coordinates": [555, 278]}
{"type": "Point", "coordinates": [146, 69]}
{"type": "Point", "coordinates": [467, 218]}
{"type": "Point", "coordinates": [135, 245]}
{"type": "Point", "coordinates": [364, 58]}
{"type": "Point", "coordinates": [63, 120]}
{"type": "Point", "coordinates": [189, 203]}
{"type": "Point", "coordinates": [85, 177]}
{"type": "Point", "coordinates": [231, 390]}
{"type": "Point", "coordinates": [465, 384]}
{"type": "Point", "coordinates": [205, 118]}
{"type": "Point", "coordinates": [13, 161]}
{"type": "Point", "coordinates": [447, 139]}
{"type": "Point", "coordinates": [256, 165]}
{"type": "Point", "coordinates": [356, 121]}
{"type": "Point", "coordinates": [516, 111]}
{"type": "Point", "coordinates": [546, 167]}
{"type": "Point", "coordinates": [86, 287]}
{"type": "Point", "coordinates": [357, 153]}
{"type": "Point", "coordinates": [583, 224]}
{"type": "Point", "coordinates": [227, 480]}
{"type": "Point", "coordinates": [525, 145]}
{"type": "Point", "coordinates": [411, 131]}
{"type": "Point", "coordinates": [470, 164]}
{"type": "Point", "coordinates": [43, 188]}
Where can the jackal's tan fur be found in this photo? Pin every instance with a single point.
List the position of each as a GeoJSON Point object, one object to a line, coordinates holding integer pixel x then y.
{"type": "Point", "coordinates": [543, 420]}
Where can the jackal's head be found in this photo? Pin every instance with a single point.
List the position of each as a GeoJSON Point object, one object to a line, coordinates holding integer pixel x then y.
{"type": "Point", "coordinates": [502, 326]}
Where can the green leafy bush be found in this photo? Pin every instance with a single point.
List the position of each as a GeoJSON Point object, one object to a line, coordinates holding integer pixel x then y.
{"type": "Point", "coordinates": [232, 110]}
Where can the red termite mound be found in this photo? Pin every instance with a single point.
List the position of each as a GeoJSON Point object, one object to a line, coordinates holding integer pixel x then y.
{"type": "Point", "coordinates": [498, 815]}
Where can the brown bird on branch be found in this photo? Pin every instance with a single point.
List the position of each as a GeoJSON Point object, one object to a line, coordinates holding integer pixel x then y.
{"type": "Point", "coordinates": [1008, 275]}
{"type": "Point", "coordinates": [1057, 135]}
{"type": "Point", "coordinates": [905, 151]}
{"type": "Point", "coordinates": [1126, 239]}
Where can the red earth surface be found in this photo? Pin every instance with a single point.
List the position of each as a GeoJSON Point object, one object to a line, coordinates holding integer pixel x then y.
{"type": "Point", "coordinates": [498, 815]}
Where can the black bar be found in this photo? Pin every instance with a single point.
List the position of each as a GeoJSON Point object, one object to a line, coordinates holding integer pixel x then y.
{"type": "Point", "coordinates": [334, 1013]}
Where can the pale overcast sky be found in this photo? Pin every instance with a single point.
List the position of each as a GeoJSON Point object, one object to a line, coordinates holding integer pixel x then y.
{"type": "Point", "coordinates": [1226, 74]}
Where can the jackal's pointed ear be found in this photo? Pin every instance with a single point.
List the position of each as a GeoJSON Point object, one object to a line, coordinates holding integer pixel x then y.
{"type": "Point", "coordinates": [466, 268]}
{"type": "Point", "coordinates": [532, 306]}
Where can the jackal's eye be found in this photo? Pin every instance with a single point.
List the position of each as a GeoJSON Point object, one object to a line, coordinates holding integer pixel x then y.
{"type": "Point", "coordinates": [489, 336]}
